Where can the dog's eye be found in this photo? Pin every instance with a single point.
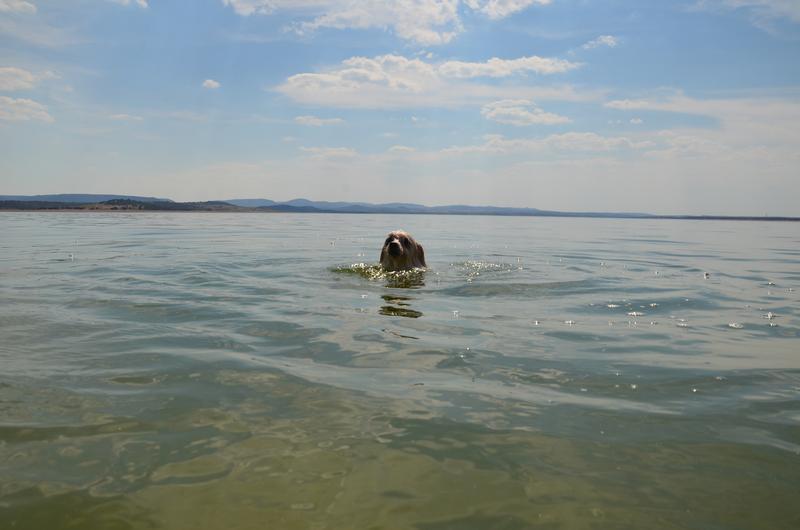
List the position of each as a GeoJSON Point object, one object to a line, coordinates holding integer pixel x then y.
{"type": "Point", "coordinates": [388, 240]}
{"type": "Point", "coordinates": [404, 241]}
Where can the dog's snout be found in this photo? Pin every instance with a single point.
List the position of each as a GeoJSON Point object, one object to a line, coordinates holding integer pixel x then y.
{"type": "Point", "coordinates": [395, 248]}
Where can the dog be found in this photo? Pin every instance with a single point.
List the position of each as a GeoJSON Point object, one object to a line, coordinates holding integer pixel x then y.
{"type": "Point", "coordinates": [401, 252]}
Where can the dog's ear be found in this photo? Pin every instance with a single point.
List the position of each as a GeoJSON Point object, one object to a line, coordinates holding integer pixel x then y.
{"type": "Point", "coordinates": [383, 255]}
{"type": "Point", "coordinates": [421, 255]}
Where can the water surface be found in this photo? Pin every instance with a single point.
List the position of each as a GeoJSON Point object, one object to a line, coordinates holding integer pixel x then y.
{"type": "Point", "coordinates": [181, 370]}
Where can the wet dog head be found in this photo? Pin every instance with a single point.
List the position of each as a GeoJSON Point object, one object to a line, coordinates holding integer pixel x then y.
{"type": "Point", "coordinates": [400, 252]}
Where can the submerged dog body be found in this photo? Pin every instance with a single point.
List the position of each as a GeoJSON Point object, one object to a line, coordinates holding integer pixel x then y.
{"type": "Point", "coordinates": [401, 252]}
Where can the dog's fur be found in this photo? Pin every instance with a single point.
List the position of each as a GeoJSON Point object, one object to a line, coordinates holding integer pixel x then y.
{"type": "Point", "coordinates": [401, 253]}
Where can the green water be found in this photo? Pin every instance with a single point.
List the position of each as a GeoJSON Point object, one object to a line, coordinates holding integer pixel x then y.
{"type": "Point", "coordinates": [243, 371]}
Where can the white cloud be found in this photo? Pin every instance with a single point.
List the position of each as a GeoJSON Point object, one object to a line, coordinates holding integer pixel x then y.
{"type": "Point", "coordinates": [211, 84]}
{"type": "Point", "coordinates": [520, 112]}
{"type": "Point", "coordinates": [125, 117]}
{"type": "Point", "coordinates": [12, 78]}
{"type": "Point", "coordinates": [360, 81]}
{"type": "Point", "coordinates": [425, 22]}
{"type": "Point", "coordinates": [602, 40]}
{"type": "Point", "coordinates": [394, 81]}
{"type": "Point", "coordinates": [496, 9]}
{"type": "Point", "coordinates": [496, 67]}
{"type": "Point", "coordinates": [16, 6]}
{"type": "Point", "coordinates": [401, 149]}
{"type": "Point", "coordinates": [16, 79]}
{"type": "Point", "coordinates": [637, 121]}
{"type": "Point", "coordinates": [313, 121]}
{"type": "Point", "coordinates": [140, 3]}
{"type": "Point", "coordinates": [572, 142]}
{"type": "Point", "coordinates": [330, 152]}
{"type": "Point", "coordinates": [23, 110]}
{"type": "Point", "coordinates": [253, 7]}
{"type": "Point", "coordinates": [628, 104]}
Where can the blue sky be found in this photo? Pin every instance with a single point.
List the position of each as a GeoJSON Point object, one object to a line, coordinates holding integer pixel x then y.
{"type": "Point", "coordinates": [668, 107]}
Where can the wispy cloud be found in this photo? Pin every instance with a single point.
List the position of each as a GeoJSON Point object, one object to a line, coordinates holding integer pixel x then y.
{"type": "Point", "coordinates": [495, 9]}
{"type": "Point", "coordinates": [767, 15]}
{"type": "Point", "coordinates": [520, 112]}
{"type": "Point", "coordinates": [313, 121]}
{"type": "Point", "coordinates": [211, 84]}
{"type": "Point", "coordinates": [125, 117]}
{"type": "Point", "coordinates": [330, 152]}
{"type": "Point", "coordinates": [265, 7]}
{"type": "Point", "coordinates": [23, 110]}
{"type": "Point", "coordinates": [572, 142]}
{"type": "Point", "coordinates": [764, 129]}
{"type": "Point", "coordinates": [33, 30]}
{"type": "Point", "coordinates": [401, 149]}
{"type": "Point", "coordinates": [603, 40]}
{"type": "Point", "coordinates": [184, 115]}
{"type": "Point", "coordinates": [12, 78]}
{"type": "Point", "coordinates": [628, 104]}
{"type": "Point", "coordinates": [789, 9]}
{"type": "Point", "coordinates": [140, 3]}
{"type": "Point", "coordinates": [17, 6]}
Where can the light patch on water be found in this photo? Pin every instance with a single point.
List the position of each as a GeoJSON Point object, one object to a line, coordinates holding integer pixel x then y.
{"type": "Point", "coordinates": [430, 388]}
{"type": "Point", "coordinates": [410, 278]}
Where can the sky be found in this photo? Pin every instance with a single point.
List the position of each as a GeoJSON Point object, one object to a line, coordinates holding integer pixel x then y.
{"type": "Point", "coordinates": [669, 107]}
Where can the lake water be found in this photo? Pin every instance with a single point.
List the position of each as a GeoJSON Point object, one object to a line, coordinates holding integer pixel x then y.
{"type": "Point", "coordinates": [212, 371]}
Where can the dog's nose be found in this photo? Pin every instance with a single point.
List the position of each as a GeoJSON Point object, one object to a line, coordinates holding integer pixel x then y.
{"type": "Point", "coordinates": [394, 248]}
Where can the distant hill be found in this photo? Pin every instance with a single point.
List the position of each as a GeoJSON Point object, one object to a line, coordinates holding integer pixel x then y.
{"type": "Point", "coordinates": [124, 205]}
{"type": "Point", "coordinates": [128, 204]}
{"type": "Point", "coordinates": [251, 203]}
{"type": "Point", "coordinates": [134, 203]}
{"type": "Point", "coordinates": [84, 198]}
{"type": "Point", "coordinates": [39, 205]}
{"type": "Point", "coordinates": [305, 205]}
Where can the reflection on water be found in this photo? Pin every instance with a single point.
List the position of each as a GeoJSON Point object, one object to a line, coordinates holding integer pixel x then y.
{"type": "Point", "coordinates": [398, 306]}
{"type": "Point", "coordinates": [546, 373]}
{"type": "Point", "coordinates": [413, 279]}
